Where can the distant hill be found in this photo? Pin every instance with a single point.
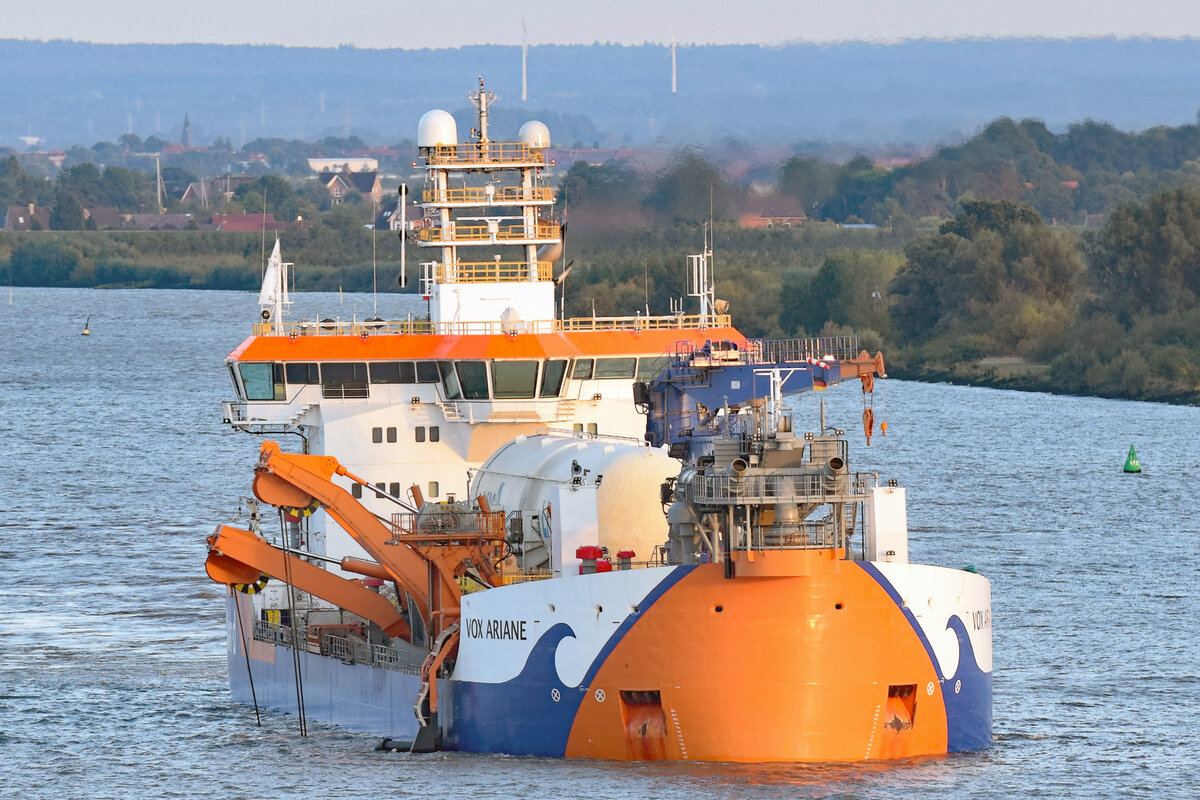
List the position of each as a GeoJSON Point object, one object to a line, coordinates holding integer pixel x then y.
{"type": "Point", "coordinates": [70, 93]}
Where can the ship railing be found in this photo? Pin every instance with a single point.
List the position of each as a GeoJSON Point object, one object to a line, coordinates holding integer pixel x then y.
{"type": "Point", "coordinates": [526, 576]}
{"type": "Point", "coordinates": [345, 391]}
{"type": "Point", "coordinates": [646, 323]}
{"type": "Point", "coordinates": [805, 535]}
{"type": "Point", "coordinates": [234, 412]}
{"type": "Point", "coordinates": [773, 351]}
{"type": "Point", "coordinates": [541, 233]}
{"type": "Point", "coordinates": [275, 633]}
{"type": "Point", "coordinates": [472, 411]}
{"type": "Point", "coordinates": [780, 486]}
{"type": "Point", "coordinates": [337, 645]}
{"type": "Point", "coordinates": [351, 651]}
{"type": "Point", "coordinates": [486, 272]}
{"type": "Point", "coordinates": [425, 327]}
{"type": "Point", "coordinates": [445, 525]}
{"type": "Point", "coordinates": [488, 195]}
{"type": "Point", "coordinates": [483, 154]}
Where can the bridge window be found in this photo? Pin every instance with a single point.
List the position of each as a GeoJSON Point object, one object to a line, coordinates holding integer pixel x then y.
{"type": "Point", "coordinates": [514, 380]}
{"type": "Point", "coordinates": [393, 372]}
{"type": "Point", "coordinates": [344, 379]}
{"type": "Point", "coordinates": [356, 491]}
{"type": "Point", "coordinates": [450, 384]}
{"type": "Point", "coordinates": [301, 373]}
{"type": "Point", "coordinates": [583, 369]}
{"type": "Point", "coordinates": [394, 489]}
{"type": "Point", "coordinates": [377, 435]}
{"type": "Point", "coordinates": [472, 375]}
{"type": "Point", "coordinates": [552, 378]}
{"type": "Point", "coordinates": [391, 435]}
{"type": "Point", "coordinates": [433, 488]}
{"type": "Point", "coordinates": [427, 372]}
{"type": "Point", "coordinates": [615, 368]}
{"type": "Point", "coordinates": [237, 387]}
{"type": "Point", "coordinates": [420, 433]}
{"type": "Point", "coordinates": [435, 433]}
{"type": "Point", "coordinates": [651, 367]}
{"type": "Point", "coordinates": [263, 381]}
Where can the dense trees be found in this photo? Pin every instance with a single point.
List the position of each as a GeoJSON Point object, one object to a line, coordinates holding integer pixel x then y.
{"type": "Point", "coordinates": [1147, 258]}
{"type": "Point", "coordinates": [996, 272]}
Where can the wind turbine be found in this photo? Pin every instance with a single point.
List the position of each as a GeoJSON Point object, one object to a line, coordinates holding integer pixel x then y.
{"type": "Point", "coordinates": [524, 62]}
{"type": "Point", "coordinates": [673, 72]}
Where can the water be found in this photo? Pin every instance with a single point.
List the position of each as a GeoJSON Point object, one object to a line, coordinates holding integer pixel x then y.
{"type": "Point", "coordinates": [112, 642]}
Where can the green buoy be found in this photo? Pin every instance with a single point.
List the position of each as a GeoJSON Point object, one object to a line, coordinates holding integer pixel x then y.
{"type": "Point", "coordinates": [1131, 463]}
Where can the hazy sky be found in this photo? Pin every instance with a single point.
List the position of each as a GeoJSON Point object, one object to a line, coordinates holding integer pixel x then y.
{"type": "Point", "coordinates": [448, 23]}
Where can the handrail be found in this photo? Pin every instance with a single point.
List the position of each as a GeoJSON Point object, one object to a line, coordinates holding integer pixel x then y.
{"type": "Point", "coordinates": [811, 485]}
{"type": "Point", "coordinates": [543, 232]}
{"type": "Point", "coordinates": [479, 195]}
{"type": "Point", "coordinates": [489, 272]}
{"type": "Point", "coordinates": [482, 154]}
{"type": "Point", "coordinates": [426, 328]}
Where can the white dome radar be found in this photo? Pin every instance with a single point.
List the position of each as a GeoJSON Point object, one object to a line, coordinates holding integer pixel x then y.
{"type": "Point", "coordinates": [535, 134]}
{"type": "Point", "coordinates": [437, 128]}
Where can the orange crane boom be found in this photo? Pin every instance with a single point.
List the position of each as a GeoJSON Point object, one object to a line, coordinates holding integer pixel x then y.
{"type": "Point", "coordinates": [294, 481]}
{"type": "Point", "coordinates": [254, 554]}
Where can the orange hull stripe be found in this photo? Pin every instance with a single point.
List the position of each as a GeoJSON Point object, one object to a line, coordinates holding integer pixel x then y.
{"type": "Point", "coordinates": [549, 345]}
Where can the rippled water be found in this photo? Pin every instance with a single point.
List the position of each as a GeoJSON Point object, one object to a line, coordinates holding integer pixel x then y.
{"type": "Point", "coordinates": [112, 644]}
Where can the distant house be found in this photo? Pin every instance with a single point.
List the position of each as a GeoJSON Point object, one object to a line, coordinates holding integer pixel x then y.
{"type": "Point", "coordinates": [247, 222]}
{"type": "Point", "coordinates": [158, 222]}
{"type": "Point", "coordinates": [771, 221]}
{"type": "Point", "coordinates": [1094, 220]}
{"type": "Point", "coordinates": [772, 210]}
{"type": "Point", "coordinates": [341, 184]}
{"type": "Point", "coordinates": [104, 217]}
{"type": "Point", "coordinates": [344, 164]}
{"type": "Point", "coordinates": [22, 218]}
{"type": "Point", "coordinates": [214, 191]}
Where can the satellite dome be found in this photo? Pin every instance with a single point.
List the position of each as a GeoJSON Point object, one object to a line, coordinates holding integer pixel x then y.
{"type": "Point", "coordinates": [437, 128]}
{"type": "Point", "coordinates": [535, 134]}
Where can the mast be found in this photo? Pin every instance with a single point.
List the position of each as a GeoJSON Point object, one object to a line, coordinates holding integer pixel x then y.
{"type": "Point", "coordinates": [482, 201]}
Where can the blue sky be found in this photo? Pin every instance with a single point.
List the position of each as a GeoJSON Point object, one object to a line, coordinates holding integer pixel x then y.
{"type": "Point", "coordinates": [451, 23]}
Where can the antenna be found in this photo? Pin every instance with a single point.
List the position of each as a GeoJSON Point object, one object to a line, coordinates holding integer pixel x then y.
{"type": "Point", "coordinates": [480, 98]}
{"type": "Point", "coordinates": [403, 234]}
{"type": "Point", "coordinates": [700, 279]}
{"type": "Point", "coordinates": [524, 62]}
{"type": "Point", "coordinates": [374, 271]}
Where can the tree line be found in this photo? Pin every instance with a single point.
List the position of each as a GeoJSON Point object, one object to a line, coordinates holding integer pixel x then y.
{"type": "Point", "coordinates": [969, 273]}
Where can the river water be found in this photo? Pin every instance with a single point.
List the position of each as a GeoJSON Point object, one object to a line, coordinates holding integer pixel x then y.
{"type": "Point", "coordinates": [112, 643]}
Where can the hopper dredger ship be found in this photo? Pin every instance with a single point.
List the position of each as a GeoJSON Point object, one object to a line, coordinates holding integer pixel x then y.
{"type": "Point", "coordinates": [507, 531]}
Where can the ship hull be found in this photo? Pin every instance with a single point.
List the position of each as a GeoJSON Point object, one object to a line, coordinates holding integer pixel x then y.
{"type": "Point", "coordinates": [353, 696]}
{"type": "Point", "coordinates": [845, 661]}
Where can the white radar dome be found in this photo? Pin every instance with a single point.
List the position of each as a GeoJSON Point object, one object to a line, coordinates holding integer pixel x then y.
{"type": "Point", "coordinates": [437, 128]}
{"type": "Point", "coordinates": [535, 134]}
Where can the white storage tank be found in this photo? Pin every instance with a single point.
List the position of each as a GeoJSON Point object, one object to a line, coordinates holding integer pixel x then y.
{"type": "Point", "coordinates": [586, 491]}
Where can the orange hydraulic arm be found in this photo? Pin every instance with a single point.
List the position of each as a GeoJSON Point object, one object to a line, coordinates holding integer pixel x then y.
{"type": "Point", "coordinates": [235, 553]}
{"type": "Point", "coordinates": [294, 481]}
